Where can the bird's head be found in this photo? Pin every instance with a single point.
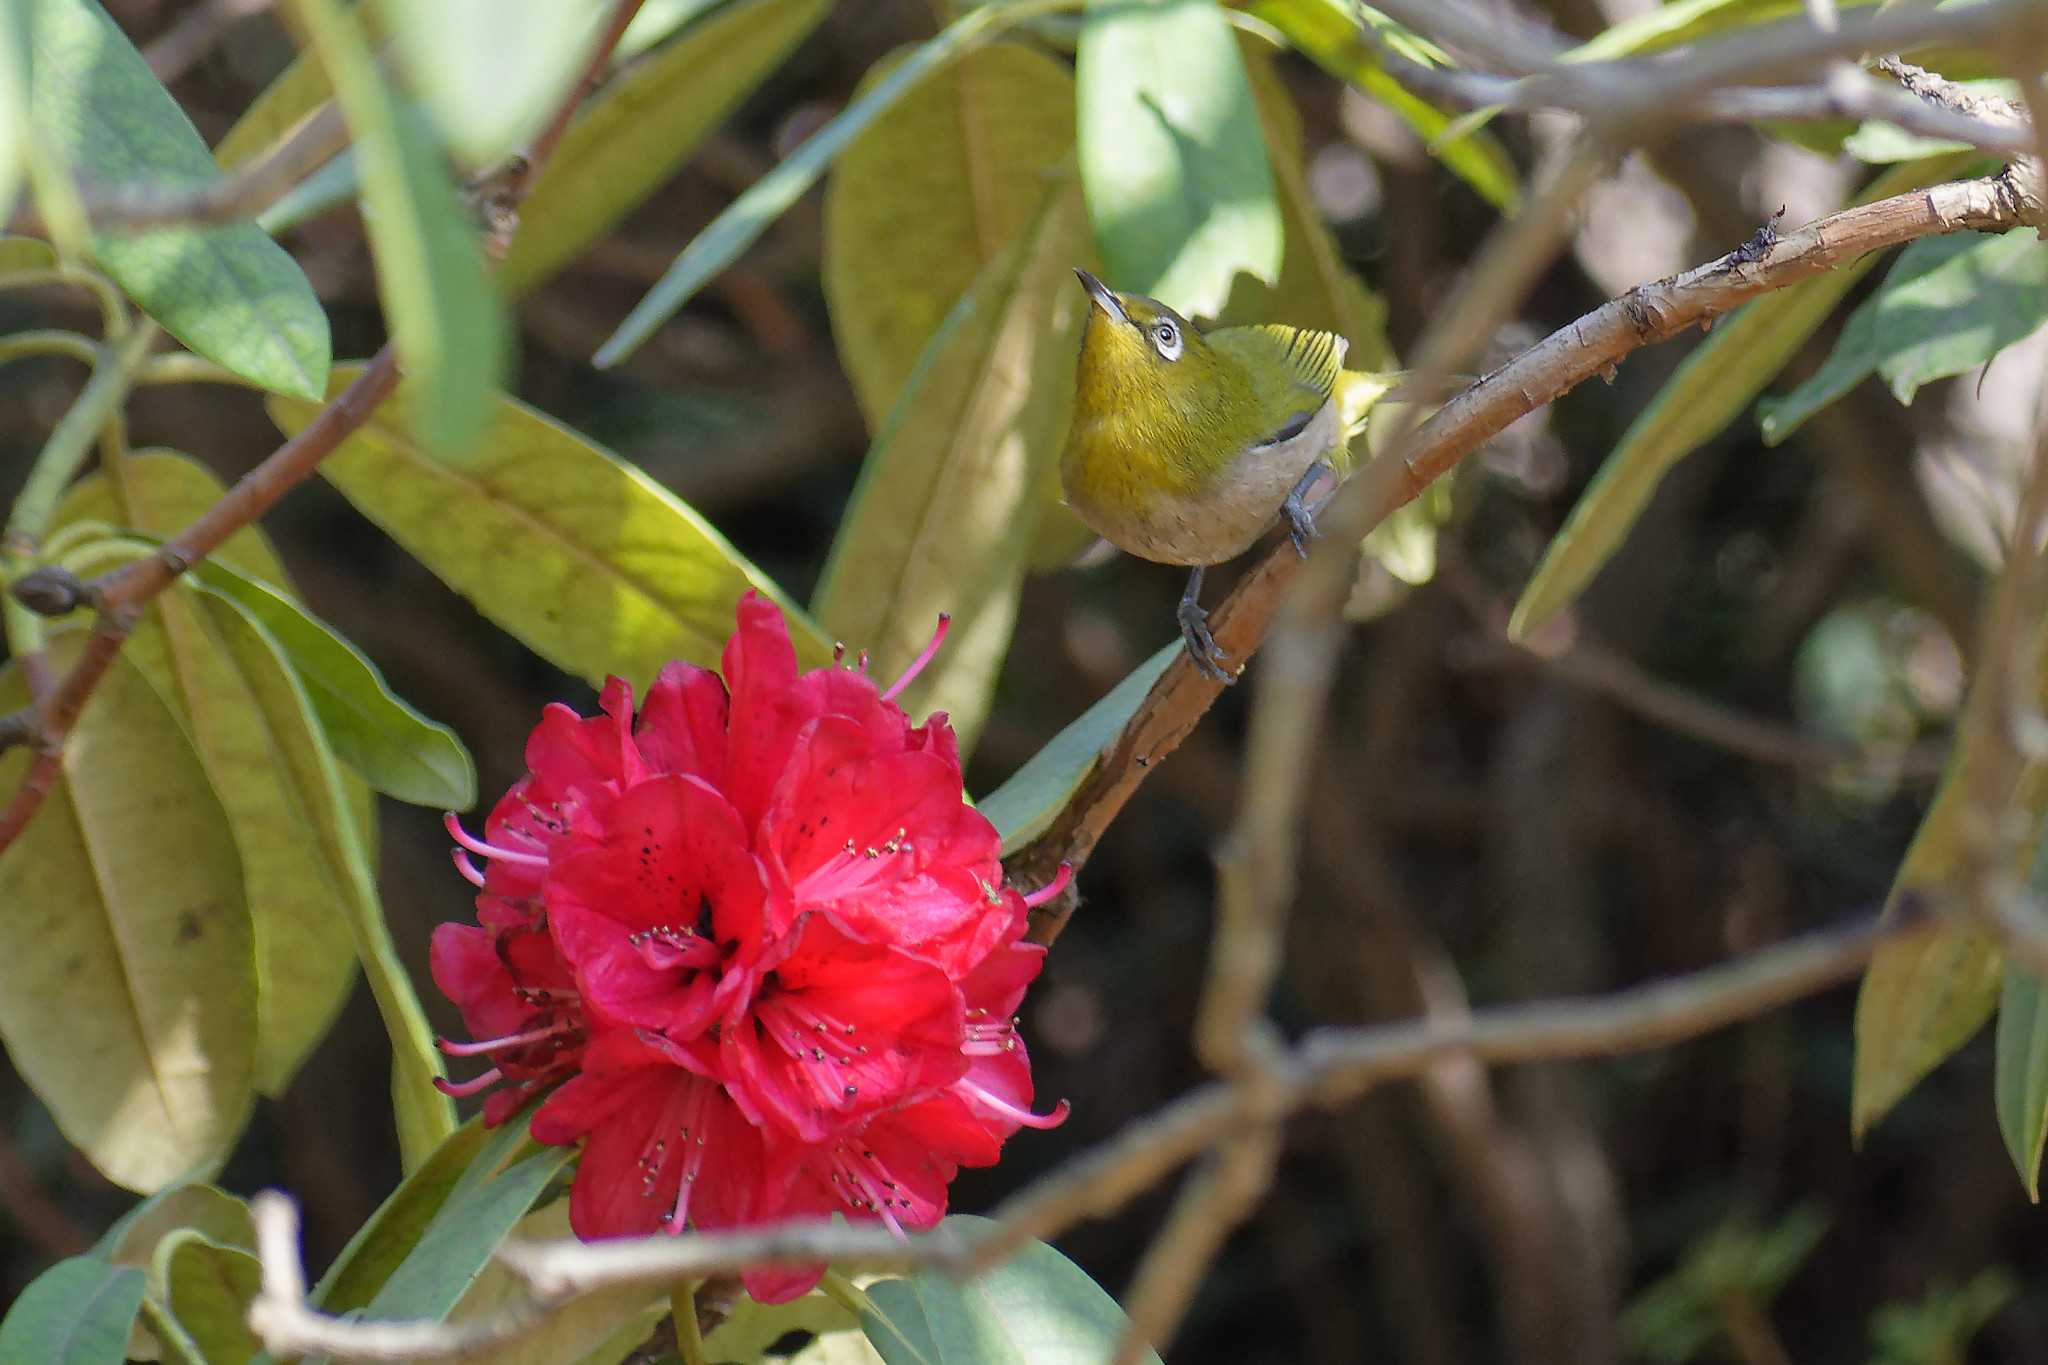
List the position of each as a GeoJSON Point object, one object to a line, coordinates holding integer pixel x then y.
{"type": "Point", "coordinates": [1139, 356]}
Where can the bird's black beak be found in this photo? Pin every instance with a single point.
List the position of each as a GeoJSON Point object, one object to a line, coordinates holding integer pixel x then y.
{"type": "Point", "coordinates": [1100, 293]}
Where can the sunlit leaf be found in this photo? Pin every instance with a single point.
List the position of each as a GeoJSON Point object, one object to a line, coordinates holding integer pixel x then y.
{"type": "Point", "coordinates": [928, 196]}
{"type": "Point", "coordinates": [14, 104]}
{"type": "Point", "coordinates": [133, 1239]}
{"type": "Point", "coordinates": [491, 71]}
{"type": "Point", "coordinates": [1711, 387]}
{"type": "Point", "coordinates": [943, 516]}
{"type": "Point", "coordinates": [443, 312]}
{"type": "Point", "coordinates": [1174, 169]}
{"type": "Point", "coordinates": [1683, 21]}
{"type": "Point", "coordinates": [1022, 807]}
{"type": "Point", "coordinates": [1327, 32]}
{"type": "Point", "coordinates": [1036, 1306]}
{"type": "Point", "coordinates": [748, 216]}
{"type": "Point", "coordinates": [1949, 305]}
{"type": "Point", "coordinates": [576, 553]}
{"type": "Point", "coordinates": [621, 147]}
{"type": "Point", "coordinates": [130, 1007]}
{"type": "Point", "coordinates": [304, 955]}
{"type": "Point", "coordinates": [228, 292]}
{"type": "Point", "coordinates": [751, 1328]}
{"type": "Point", "coordinates": [75, 1313]}
{"type": "Point", "coordinates": [25, 255]}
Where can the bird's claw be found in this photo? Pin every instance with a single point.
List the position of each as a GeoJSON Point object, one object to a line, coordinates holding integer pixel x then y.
{"type": "Point", "coordinates": [1301, 524]}
{"type": "Point", "coordinates": [1202, 647]}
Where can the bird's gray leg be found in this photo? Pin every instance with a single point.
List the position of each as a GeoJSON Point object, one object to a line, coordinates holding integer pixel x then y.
{"type": "Point", "coordinates": [1194, 628]}
{"type": "Point", "coordinates": [1301, 518]}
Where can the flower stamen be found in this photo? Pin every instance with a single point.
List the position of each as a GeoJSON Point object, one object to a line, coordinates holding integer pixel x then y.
{"type": "Point", "coordinates": [462, 1090]}
{"type": "Point", "coordinates": [1060, 881]}
{"type": "Point", "coordinates": [488, 850]}
{"type": "Point", "coordinates": [471, 873]}
{"type": "Point", "coordinates": [917, 665]}
{"type": "Point", "coordinates": [1011, 1111]}
{"type": "Point", "coordinates": [510, 1040]}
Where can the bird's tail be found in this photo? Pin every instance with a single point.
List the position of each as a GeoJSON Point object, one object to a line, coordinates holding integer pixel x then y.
{"type": "Point", "coordinates": [1360, 391]}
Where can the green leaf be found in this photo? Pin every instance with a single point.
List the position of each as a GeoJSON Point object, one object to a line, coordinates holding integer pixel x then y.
{"type": "Point", "coordinates": [442, 309]}
{"type": "Point", "coordinates": [1038, 1306]}
{"type": "Point", "coordinates": [629, 140]}
{"type": "Point", "coordinates": [298, 90]}
{"type": "Point", "coordinates": [1178, 185]}
{"type": "Point", "coordinates": [25, 256]}
{"type": "Point", "coordinates": [467, 1229]}
{"type": "Point", "coordinates": [208, 1288]}
{"type": "Point", "coordinates": [227, 292]}
{"type": "Point", "coordinates": [15, 149]}
{"type": "Point", "coordinates": [748, 216]}
{"type": "Point", "coordinates": [202, 1208]}
{"type": "Point", "coordinates": [396, 749]}
{"type": "Point", "coordinates": [1745, 351]}
{"type": "Point", "coordinates": [390, 1234]}
{"type": "Point", "coordinates": [304, 955]}
{"type": "Point", "coordinates": [491, 71]}
{"type": "Point", "coordinates": [1328, 34]}
{"type": "Point", "coordinates": [1685, 21]}
{"type": "Point", "coordinates": [942, 519]}
{"type": "Point", "coordinates": [928, 196]}
{"type": "Point", "coordinates": [579, 1330]}
{"type": "Point", "coordinates": [581, 556]}
{"type": "Point", "coordinates": [131, 1001]}
{"type": "Point", "coordinates": [2022, 1074]}
{"type": "Point", "coordinates": [747, 1332]}
{"type": "Point", "coordinates": [165, 491]}
{"type": "Point", "coordinates": [1949, 305]}
{"type": "Point", "coordinates": [1315, 289]}
{"type": "Point", "coordinates": [1925, 995]}
{"type": "Point", "coordinates": [75, 1313]}
{"type": "Point", "coordinates": [1022, 807]}
{"type": "Point", "coordinates": [336, 861]}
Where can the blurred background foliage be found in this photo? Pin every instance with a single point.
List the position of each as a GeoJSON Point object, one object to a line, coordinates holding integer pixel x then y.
{"type": "Point", "coordinates": [1483, 824]}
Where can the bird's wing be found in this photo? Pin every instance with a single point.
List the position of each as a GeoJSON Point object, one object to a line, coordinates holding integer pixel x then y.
{"type": "Point", "coordinates": [1293, 369]}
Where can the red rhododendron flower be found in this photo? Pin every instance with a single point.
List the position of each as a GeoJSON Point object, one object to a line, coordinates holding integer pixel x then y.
{"type": "Point", "coordinates": [763, 941]}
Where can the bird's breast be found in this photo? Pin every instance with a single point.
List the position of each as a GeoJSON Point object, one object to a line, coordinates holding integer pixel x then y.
{"type": "Point", "coordinates": [1153, 507]}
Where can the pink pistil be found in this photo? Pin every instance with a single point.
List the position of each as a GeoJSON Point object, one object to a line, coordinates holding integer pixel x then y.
{"type": "Point", "coordinates": [500, 1044]}
{"type": "Point", "coordinates": [917, 664]}
{"type": "Point", "coordinates": [462, 1090]}
{"type": "Point", "coordinates": [1059, 883]}
{"type": "Point", "coordinates": [1011, 1111]}
{"type": "Point", "coordinates": [484, 850]}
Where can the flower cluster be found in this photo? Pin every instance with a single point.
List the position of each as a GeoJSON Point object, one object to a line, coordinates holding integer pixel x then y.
{"type": "Point", "coordinates": [757, 946]}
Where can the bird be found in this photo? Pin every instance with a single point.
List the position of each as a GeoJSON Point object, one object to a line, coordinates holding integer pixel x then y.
{"type": "Point", "coordinates": [1185, 446]}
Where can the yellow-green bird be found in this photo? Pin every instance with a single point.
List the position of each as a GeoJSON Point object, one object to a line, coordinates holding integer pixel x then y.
{"type": "Point", "coordinates": [1186, 446]}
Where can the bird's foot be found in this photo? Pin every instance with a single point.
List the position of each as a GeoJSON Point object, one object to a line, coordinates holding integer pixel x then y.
{"type": "Point", "coordinates": [1300, 517]}
{"type": "Point", "coordinates": [1202, 647]}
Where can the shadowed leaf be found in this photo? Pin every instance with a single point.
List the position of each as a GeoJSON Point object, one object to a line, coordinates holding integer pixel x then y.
{"type": "Point", "coordinates": [75, 1313]}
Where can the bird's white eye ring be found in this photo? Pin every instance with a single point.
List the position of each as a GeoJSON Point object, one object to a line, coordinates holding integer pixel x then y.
{"type": "Point", "coordinates": [1166, 340]}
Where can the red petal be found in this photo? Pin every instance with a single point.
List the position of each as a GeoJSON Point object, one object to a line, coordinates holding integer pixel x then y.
{"type": "Point", "coordinates": [682, 723]}
{"type": "Point", "coordinates": [760, 671]}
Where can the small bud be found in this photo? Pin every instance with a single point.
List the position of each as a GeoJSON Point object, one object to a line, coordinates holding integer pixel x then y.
{"type": "Point", "coordinates": [51, 591]}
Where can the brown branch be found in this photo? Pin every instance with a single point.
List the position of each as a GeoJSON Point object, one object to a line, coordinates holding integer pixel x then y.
{"type": "Point", "coordinates": [1591, 346]}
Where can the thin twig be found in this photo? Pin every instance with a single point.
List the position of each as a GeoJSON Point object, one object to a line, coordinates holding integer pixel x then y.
{"type": "Point", "coordinates": [180, 47]}
{"type": "Point", "coordinates": [1328, 1067]}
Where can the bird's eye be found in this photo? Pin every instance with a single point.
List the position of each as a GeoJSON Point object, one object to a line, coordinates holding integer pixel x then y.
{"type": "Point", "coordinates": [1166, 339]}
